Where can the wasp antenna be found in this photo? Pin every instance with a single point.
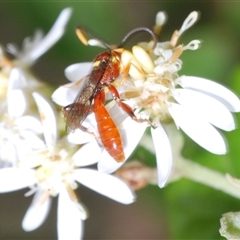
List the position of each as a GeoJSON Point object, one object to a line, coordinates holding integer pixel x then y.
{"type": "Point", "coordinates": [84, 36]}
{"type": "Point", "coordinates": [140, 29]}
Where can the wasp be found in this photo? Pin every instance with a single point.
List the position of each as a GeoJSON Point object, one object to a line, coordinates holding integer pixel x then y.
{"type": "Point", "coordinates": [107, 67]}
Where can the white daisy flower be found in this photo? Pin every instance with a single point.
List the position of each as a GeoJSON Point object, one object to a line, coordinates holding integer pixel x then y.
{"type": "Point", "coordinates": [34, 48]}
{"type": "Point", "coordinates": [129, 130]}
{"type": "Point", "coordinates": [19, 133]}
{"type": "Point", "coordinates": [31, 50]}
{"type": "Point", "coordinates": [198, 106]}
{"type": "Point", "coordinates": [18, 137]}
{"type": "Point", "coordinates": [158, 93]}
{"type": "Point", "coordinates": [54, 171]}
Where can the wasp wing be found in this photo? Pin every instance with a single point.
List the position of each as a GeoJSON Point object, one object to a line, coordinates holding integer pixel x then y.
{"type": "Point", "coordinates": [77, 112]}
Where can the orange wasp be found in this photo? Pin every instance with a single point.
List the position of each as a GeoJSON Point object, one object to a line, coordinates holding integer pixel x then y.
{"type": "Point", "coordinates": [91, 97]}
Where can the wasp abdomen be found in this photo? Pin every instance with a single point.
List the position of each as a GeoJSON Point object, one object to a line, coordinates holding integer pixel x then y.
{"type": "Point", "coordinates": [108, 132]}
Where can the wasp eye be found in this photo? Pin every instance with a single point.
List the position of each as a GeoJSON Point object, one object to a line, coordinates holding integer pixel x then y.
{"type": "Point", "coordinates": [67, 109]}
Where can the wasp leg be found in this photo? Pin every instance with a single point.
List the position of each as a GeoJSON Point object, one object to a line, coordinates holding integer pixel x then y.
{"type": "Point", "coordinates": [125, 73]}
{"type": "Point", "coordinates": [87, 130]}
{"type": "Point", "coordinates": [126, 108]}
{"type": "Point", "coordinates": [127, 68]}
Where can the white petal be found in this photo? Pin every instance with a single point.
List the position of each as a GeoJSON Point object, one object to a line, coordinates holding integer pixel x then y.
{"type": "Point", "coordinates": [29, 123]}
{"type": "Point", "coordinates": [209, 108]}
{"type": "Point", "coordinates": [69, 223]}
{"type": "Point", "coordinates": [16, 103]}
{"type": "Point", "coordinates": [107, 164]}
{"type": "Point", "coordinates": [17, 79]}
{"type": "Point", "coordinates": [37, 211]}
{"type": "Point", "coordinates": [163, 154]}
{"type": "Point", "coordinates": [80, 137]}
{"type": "Point", "coordinates": [202, 132]}
{"type": "Point", "coordinates": [105, 184]}
{"type": "Point", "coordinates": [77, 71]}
{"type": "Point", "coordinates": [117, 114]}
{"type": "Point", "coordinates": [88, 154]}
{"type": "Point", "coordinates": [48, 120]}
{"type": "Point", "coordinates": [147, 142]}
{"type": "Point", "coordinates": [13, 179]}
{"type": "Point", "coordinates": [66, 94]}
{"type": "Point", "coordinates": [213, 89]}
{"type": "Point", "coordinates": [8, 155]}
{"type": "Point", "coordinates": [51, 38]}
{"type": "Point", "coordinates": [13, 147]}
{"type": "Point", "coordinates": [32, 140]}
{"type": "Point", "coordinates": [131, 133]}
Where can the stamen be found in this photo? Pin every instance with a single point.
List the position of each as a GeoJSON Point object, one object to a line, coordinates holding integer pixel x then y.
{"type": "Point", "coordinates": [143, 58]}
{"type": "Point", "coordinates": [71, 194]}
{"type": "Point", "coordinates": [174, 38]}
{"type": "Point", "coordinates": [127, 95]}
{"type": "Point", "coordinates": [135, 70]}
{"type": "Point", "coordinates": [79, 206]}
{"type": "Point", "coordinates": [193, 45]}
{"type": "Point", "coordinates": [31, 191]}
{"type": "Point", "coordinates": [43, 198]}
{"type": "Point", "coordinates": [176, 54]}
{"type": "Point", "coordinates": [189, 21]}
{"type": "Point", "coordinates": [161, 19]}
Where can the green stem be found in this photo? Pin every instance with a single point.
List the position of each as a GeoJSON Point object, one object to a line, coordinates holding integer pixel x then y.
{"type": "Point", "coordinates": [195, 172]}
{"type": "Point", "coordinates": [184, 168]}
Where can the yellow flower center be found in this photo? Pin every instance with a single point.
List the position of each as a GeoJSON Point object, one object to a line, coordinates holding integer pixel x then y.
{"type": "Point", "coordinates": [54, 171]}
{"type": "Point", "coordinates": [150, 92]}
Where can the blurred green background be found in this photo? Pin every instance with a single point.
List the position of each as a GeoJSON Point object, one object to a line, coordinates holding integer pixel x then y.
{"type": "Point", "coordinates": [184, 209]}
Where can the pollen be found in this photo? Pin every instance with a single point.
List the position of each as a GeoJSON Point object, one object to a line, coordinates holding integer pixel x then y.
{"type": "Point", "coordinates": [143, 58]}
{"type": "Point", "coordinates": [54, 171]}
{"type": "Point", "coordinates": [135, 70]}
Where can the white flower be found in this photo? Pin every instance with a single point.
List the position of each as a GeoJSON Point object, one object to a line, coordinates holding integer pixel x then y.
{"type": "Point", "coordinates": [17, 71]}
{"type": "Point", "coordinates": [33, 48]}
{"type": "Point", "coordinates": [197, 106]}
{"type": "Point", "coordinates": [18, 137]}
{"type": "Point", "coordinates": [129, 130]}
{"type": "Point", "coordinates": [19, 133]}
{"type": "Point", "coordinates": [158, 93]}
{"type": "Point", "coordinates": [55, 171]}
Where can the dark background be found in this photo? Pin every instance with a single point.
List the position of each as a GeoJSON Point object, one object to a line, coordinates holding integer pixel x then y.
{"type": "Point", "coordinates": [184, 209]}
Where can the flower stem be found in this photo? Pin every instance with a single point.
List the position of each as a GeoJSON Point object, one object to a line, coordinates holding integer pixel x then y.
{"type": "Point", "coordinates": [184, 168]}
{"type": "Point", "coordinates": [196, 172]}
